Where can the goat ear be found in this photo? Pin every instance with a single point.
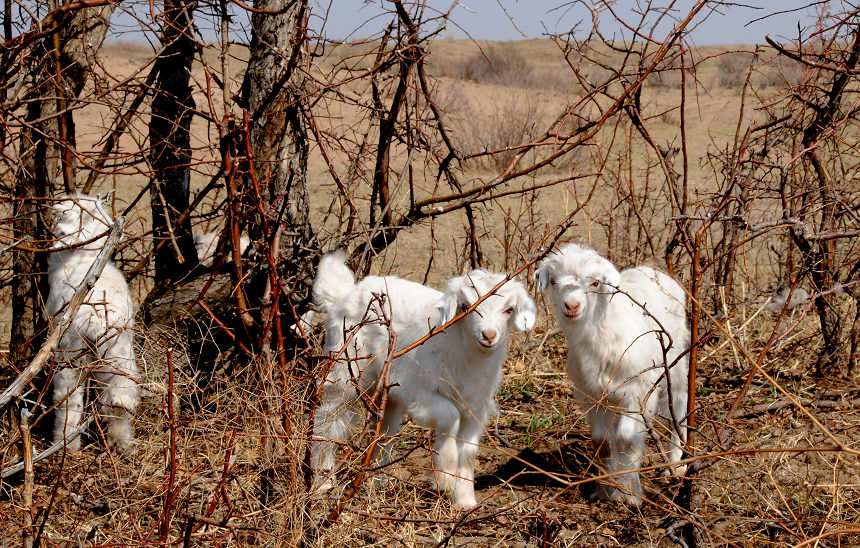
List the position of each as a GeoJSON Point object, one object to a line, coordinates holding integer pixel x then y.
{"type": "Point", "coordinates": [446, 307]}
{"type": "Point", "coordinates": [612, 278]}
{"type": "Point", "coordinates": [541, 277]}
{"type": "Point", "coordinates": [526, 312]}
{"type": "Point", "coordinates": [445, 310]}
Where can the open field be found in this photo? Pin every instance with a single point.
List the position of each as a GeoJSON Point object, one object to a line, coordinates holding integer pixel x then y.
{"type": "Point", "coordinates": [784, 471]}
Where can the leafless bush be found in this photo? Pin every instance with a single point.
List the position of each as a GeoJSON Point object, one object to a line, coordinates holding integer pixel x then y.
{"type": "Point", "coordinates": [667, 79]}
{"type": "Point", "coordinates": [492, 135]}
{"type": "Point", "coordinates": [781, 72]}
{"type": "Point", "coordinates": [669, 76]}
{"type": "Point", "coordinates": [430, 176]}
{"type": "Point", "coordinates": [503, 65]}
{"type": "Point", "coordinates": [732, 69]}
{"type": "Point", "coordinates": [495, 65]}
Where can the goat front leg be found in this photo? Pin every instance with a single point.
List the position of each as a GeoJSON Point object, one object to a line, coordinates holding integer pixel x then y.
{"type": "Point", "coordinates": [335, 419]}
{"type": "Point", "coordinates": [391, 424]}
{"type": "Point", "coordinates": [627, 444]}
{"type": "Point", "coordinates": [443, 417]}
{"type": "Point", "coordinates": [471, 429]}
{"type": "Point", "coordinates": [602, 422]}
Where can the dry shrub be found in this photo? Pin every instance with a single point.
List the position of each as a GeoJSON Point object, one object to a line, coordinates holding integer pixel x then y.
{"type": "Point", "coordinates": [495, 65]}
{"type": "Point", "coordinates": [665, 79]}
{"type": "Point", "coordinates": [550, 79]}
{"type": "Point", "coordinates": [494, 124]}
{"type": "Point", "coordinates": [783, 72]}
{"type": "Point", "coordinates": [732, 69]}
{"type": "Point", "coordinates": [502, 65]}
{"type": "Point", "coordinates": [668, 79]}
{"type": "Point", "coordinates": [668, 75]}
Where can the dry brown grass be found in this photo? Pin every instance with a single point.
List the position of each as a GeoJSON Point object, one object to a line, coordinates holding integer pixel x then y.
{"type": "Point", "coordinates": [741, 498]}
{"type": "Point", "coordinates": [533, 463]}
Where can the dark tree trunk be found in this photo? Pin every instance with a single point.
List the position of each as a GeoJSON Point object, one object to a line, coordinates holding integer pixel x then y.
{"type": "Point", "coordinates": [170, 139]}
{"type": "Point", "coordinates": [819, 257]}
{"type": "Point", "coordinates": [45, 152]}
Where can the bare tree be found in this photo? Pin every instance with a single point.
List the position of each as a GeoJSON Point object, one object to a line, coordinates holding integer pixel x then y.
{"type": "Point", "coordinates": [170, 141]}
{"type": "Point", "coordinates": [55, 66]}
{"type": "Point", "coordinates": [275, 191]}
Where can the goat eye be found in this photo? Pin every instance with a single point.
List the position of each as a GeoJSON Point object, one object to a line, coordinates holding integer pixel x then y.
{"type": "Point", "coordinates": [464, 307]}
{"type": "Point", "coordinates": [595, 283]}
{"type": "Point", "coordinates": [552, 281]}
{"type": "Point", "coordinates": [509, 310]}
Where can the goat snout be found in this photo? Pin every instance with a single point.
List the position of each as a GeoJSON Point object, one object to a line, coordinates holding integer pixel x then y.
{"type": "Point", "coordinates": [489, 336]}
{"type": "Point", "coordinates": [571, 308]}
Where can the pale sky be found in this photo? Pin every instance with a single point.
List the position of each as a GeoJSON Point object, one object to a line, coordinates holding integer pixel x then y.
{"type": "Point", "coordinates": [513, 19]}
{"type": "Point", "coordinates": [518, 19]}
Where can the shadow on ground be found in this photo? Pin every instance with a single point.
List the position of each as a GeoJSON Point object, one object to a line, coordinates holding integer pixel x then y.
{"type": "Point", "coordinates": [571, 461]}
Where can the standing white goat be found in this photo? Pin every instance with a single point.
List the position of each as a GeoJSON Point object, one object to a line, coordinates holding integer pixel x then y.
{"type": "Point", "coordinates": [447, 383]}
{"type": "Point", "coordinates": [618, 356]}
{"type": "Point", "coordinates": [100, 335]}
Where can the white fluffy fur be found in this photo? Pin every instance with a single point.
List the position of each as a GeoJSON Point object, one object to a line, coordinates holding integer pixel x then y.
{"type": "Point", "coordinates": [447, 384]}
{"type": "Point", "coordinates": [788, 299]}
{"type": "Point", "coordinates": [99, 340]}
{"type": "Point", "coordinates": [615, 359]}
{"type": "Point", "coordinates": [207, 243]}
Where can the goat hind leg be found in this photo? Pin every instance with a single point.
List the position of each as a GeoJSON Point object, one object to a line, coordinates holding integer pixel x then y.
{"type": "Point", "coordinates": [679, 434]}
{"type": "Point", "coordinates": [120, 396]}
{"type": "Point", "coordinates": [337, 416]}
{"type": "Point", "coordinates": [69, 396]}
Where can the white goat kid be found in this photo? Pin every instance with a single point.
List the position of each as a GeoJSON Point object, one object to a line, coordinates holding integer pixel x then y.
{"type": "Point", "coordinates": [100, 335]}
{"type": "Point", "coordinates": [618, 355]}
{"type": "Point", "coordinates": [447, 384]}
{"type": "Point", "coordinates": [206, 244]}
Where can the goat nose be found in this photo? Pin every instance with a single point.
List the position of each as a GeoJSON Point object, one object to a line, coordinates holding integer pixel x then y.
{"type": "Point", "coordinates": [489, 335]}
{"type": "Point", "coordinates": [571, 308]}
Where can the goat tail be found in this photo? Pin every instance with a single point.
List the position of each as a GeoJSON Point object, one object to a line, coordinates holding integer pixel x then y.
{"type": "Point", "coordinates": [334, 281]}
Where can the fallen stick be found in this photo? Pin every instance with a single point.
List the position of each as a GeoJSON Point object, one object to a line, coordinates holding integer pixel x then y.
{"type": "Point", "coordinates": [783, 403]}
{"type": "Point", "coordinates": [56, 446]}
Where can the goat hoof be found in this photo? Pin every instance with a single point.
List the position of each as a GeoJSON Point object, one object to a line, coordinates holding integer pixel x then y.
{"type": "Point", "coordinates": [631, 500]}
{"type": "Point", "coordinates": [322, 486]}
{"type": "Point", "coordinates": [466, 504]}
{"type": "Point", "coordinates": [605, 492]}
{"type": "Point", "coordinates": [676, 471]}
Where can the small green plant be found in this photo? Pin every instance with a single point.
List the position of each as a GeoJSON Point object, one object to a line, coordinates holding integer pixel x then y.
{"type": "Point", "coordinates": [538, 423]}
{"type": "Point", "coordinates": [524, 392]}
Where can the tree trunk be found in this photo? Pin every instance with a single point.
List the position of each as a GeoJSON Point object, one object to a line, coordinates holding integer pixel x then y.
{"type": "Point", "coordinates": [45, 152]}
{"type": "Point", "coordinates": [170, 139]}
{"type": "Point", "coordinates": [272, 91]}
{"type": "Point", "coordinates": [277, 182]}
